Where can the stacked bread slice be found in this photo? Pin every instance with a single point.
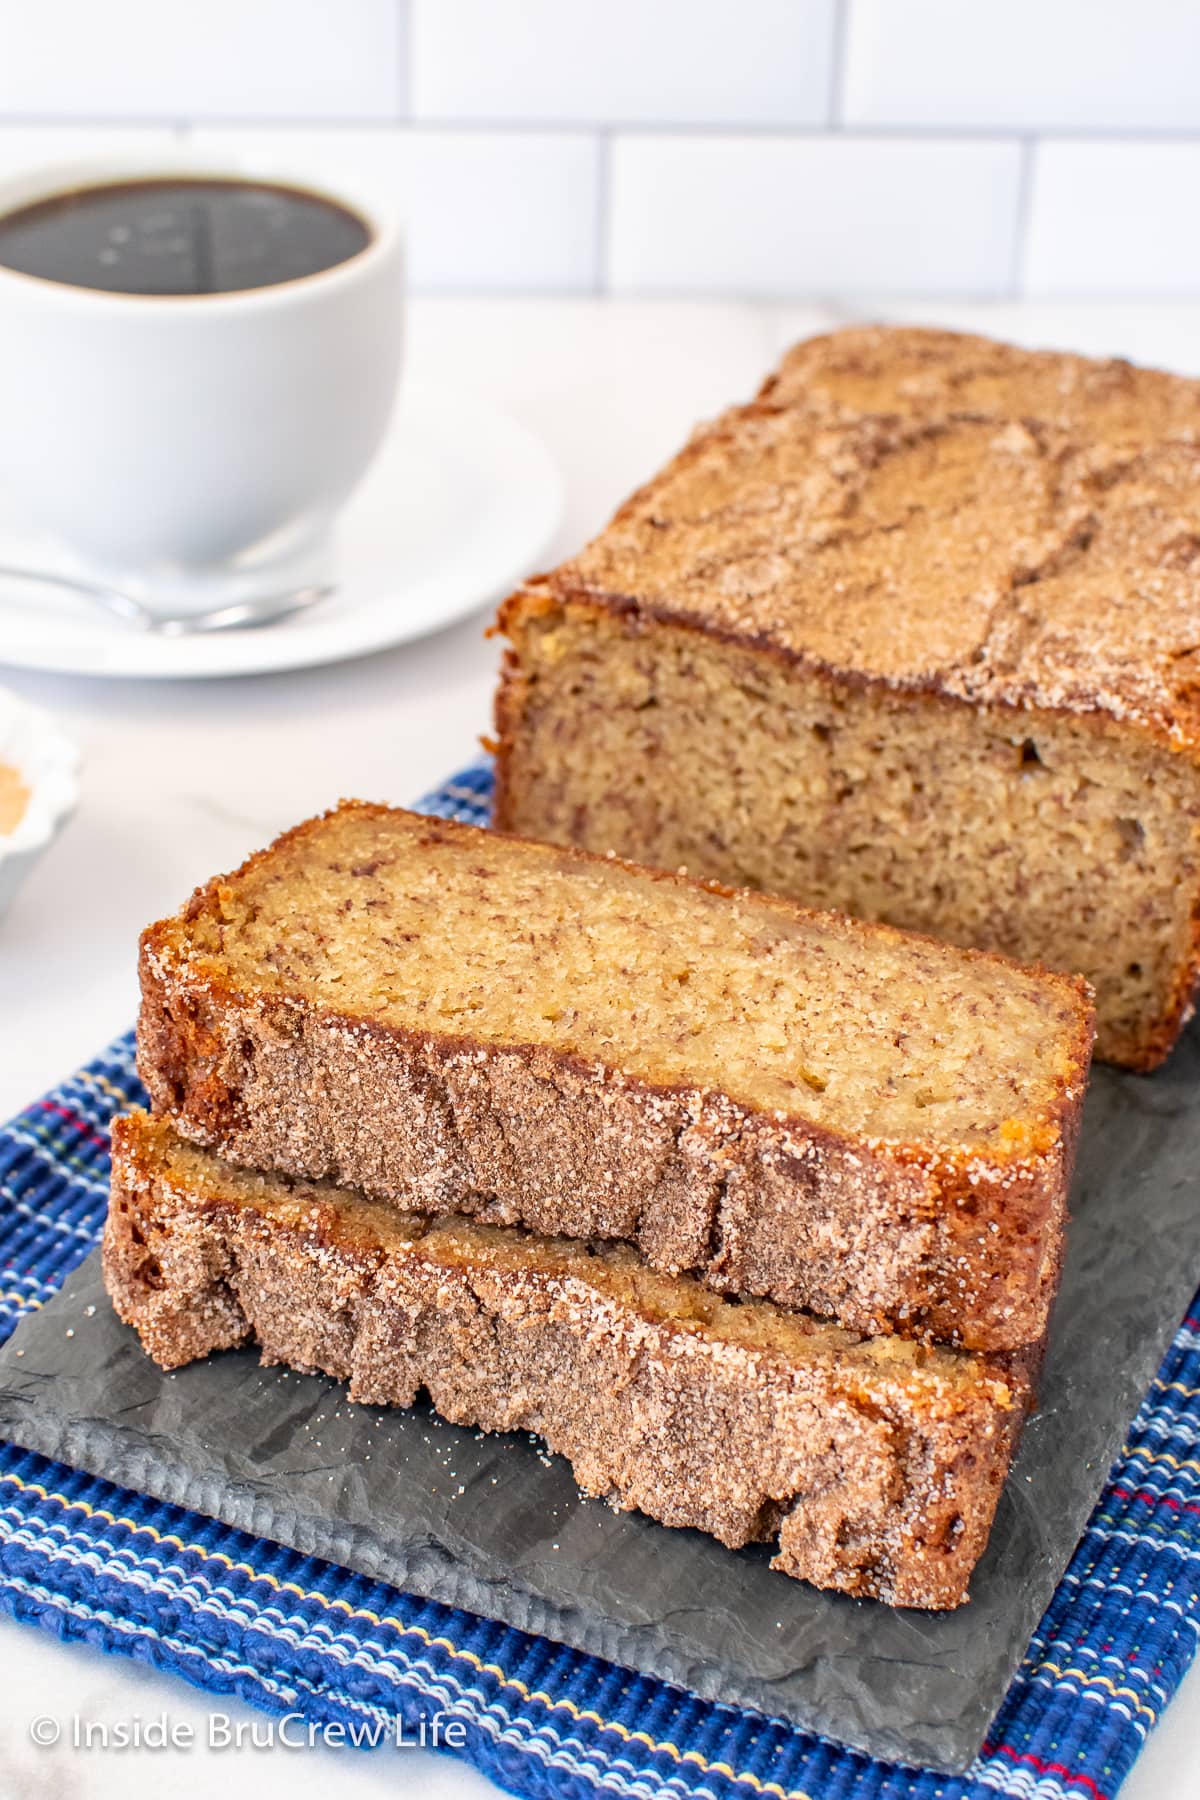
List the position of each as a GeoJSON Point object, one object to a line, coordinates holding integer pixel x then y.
{"type": "Point", "coordinates": [754, 1213]}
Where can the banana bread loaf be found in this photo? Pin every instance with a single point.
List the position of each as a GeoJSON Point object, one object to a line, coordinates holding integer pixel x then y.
{"type": "Point", "coordinates": [942, 671]}
{"type": "Point", "coordinates": [833, 1114]}
{"type": "Point", "coordinates": [874, 1465]}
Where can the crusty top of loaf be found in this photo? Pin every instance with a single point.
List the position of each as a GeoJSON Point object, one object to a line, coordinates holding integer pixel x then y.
{"type": "Point", "coordinates": [984, 557]}
{"type": "Point", "coordinates": [920, 372]}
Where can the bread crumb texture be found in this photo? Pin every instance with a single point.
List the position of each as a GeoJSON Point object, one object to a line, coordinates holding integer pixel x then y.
{"type": "Point", "coordinates": [427, 926]}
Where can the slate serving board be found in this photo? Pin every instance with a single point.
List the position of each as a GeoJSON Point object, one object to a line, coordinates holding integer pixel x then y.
{"type": "Point", "coordinates": [495, 1525]}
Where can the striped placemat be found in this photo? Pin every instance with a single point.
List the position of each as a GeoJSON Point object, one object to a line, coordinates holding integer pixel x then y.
{"type": "Point", "coordinates": [234, 1614]}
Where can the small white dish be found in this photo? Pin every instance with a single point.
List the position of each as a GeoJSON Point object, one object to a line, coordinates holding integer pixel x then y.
{"type": "Point", "coordinates": [46, 762]}
{"type": "Point", "coordinates": [459, 505]}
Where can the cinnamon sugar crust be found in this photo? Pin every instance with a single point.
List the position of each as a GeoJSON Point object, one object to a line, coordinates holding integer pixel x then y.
{"type": "Point", "coordinates": [917, 372]}
{"type": "Point", "coordinates": [994, 561]}
{"type": "Point", "coordinates": [873, 1465]}
{"type": "Point", "coordinates": [876, 1127]}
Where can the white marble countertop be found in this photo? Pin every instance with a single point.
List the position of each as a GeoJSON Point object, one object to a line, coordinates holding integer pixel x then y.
{"type": "Point", "coordinates": [184, 778]}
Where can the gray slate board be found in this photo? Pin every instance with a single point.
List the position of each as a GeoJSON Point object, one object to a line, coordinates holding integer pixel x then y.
{"type": "Point", "coordinates": [498, 1527]}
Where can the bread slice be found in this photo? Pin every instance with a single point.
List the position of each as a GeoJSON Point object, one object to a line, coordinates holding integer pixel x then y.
{"type": "Point", "coordinates": [873, 1464]}
{"type": "Point", "coordinates": [801, 1106]}
{"type": "Point", "coordinates": [941, 670]}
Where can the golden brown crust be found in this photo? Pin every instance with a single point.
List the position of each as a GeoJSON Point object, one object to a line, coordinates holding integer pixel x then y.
{"type": "Point", "coordinates": [918, 371]}
{"type": "Point", "coordinates": [991, 561]}
{"type": "Point", "coordinates": [875, 1464]}
{"type": "Point", "coordinates": [942, 1242]}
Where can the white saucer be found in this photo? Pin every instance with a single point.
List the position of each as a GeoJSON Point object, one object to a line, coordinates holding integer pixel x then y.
{"type": "Point", "coordinates": [459, 505]}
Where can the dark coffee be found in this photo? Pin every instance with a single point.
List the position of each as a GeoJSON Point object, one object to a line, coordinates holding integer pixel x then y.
{"type": "Point", "coordinates": [176, 235]}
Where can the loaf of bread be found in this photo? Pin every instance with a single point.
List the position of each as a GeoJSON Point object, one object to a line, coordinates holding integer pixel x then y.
{"type": "Point", "coordinates": [936, 664]}
{"type": "Point", "coordinates": [873, 1465]}
{"type": "Point", "coordinates": [832, 1114]}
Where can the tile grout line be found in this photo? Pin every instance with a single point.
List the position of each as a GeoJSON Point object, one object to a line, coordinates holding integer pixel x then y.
{"type": "Point", "coordinates": [583, 127]}
{"type": "Point", "coordinates": [404, 61]}
{"type": "Point", "coordinates": [603, 200]}
{"type": "Point", "coordinates": [1020, 246]}
{"type": "Point", "coordinates": [852, 300]}
{"type": "Point", "coordinates": [837, 64]}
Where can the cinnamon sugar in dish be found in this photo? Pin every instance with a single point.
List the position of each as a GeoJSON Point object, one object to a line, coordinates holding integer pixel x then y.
{"type": "Point", "coordinates": [14, 799]}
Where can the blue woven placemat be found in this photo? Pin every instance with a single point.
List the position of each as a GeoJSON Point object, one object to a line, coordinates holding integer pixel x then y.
{"type": "Point", "coordinates": [234, 1614]}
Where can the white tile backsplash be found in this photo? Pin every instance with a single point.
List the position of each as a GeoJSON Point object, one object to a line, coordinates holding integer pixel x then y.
{"type": "Point", "coordinates": [792, 148]}
{"type": "Point", "coordinates": [1114, 219]}
{"type": "Point", "coordinates": [515, 213]}
{"type": "Point", "coordinates": [308, 59]}
{"type": "Point", "coordinates": [510, 214]}
{"type": "Point", "coordinates": [1031, 64]}
{"type": "Point", "coordinates": [731, 62]}
{"type": "Point", "coordinates": [819, 215]}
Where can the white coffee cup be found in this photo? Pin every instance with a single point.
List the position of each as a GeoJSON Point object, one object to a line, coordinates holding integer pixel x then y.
{"type": "Point", "coordinates": [184, 448]}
